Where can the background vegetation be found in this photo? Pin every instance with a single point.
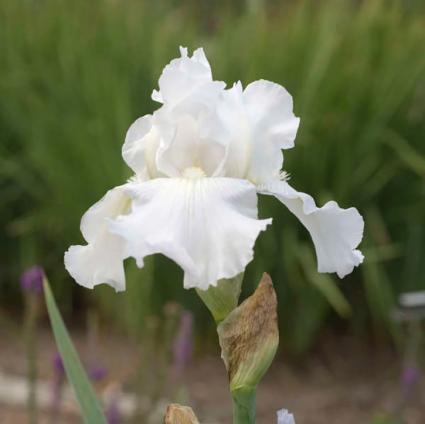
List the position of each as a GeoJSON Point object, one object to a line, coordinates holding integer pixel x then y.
{"type": "Point", "coordinates": [75, 74]}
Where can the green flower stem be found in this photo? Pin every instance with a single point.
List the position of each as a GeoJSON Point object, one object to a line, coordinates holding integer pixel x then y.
{"type": "Point", "coordinates": [223, 298]}
{"type": "Point", "coordinates": [31, 315]}
{"type": "Point", "coordinates": [244, 406]}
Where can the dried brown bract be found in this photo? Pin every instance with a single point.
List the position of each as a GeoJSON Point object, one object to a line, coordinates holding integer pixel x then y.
{"type": "Point", "coordinates": [249, 336]}
{"type": "Point", "coordinates": [178, 414]}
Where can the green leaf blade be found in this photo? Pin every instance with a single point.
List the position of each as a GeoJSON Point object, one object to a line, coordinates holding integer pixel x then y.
{"type": "Point", "coordinates": [89, 404]}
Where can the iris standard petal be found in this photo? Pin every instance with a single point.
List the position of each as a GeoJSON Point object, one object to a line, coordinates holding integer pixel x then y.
{"type": "Point", "coordinates": [336, 232]}
{"type": "Point", "coordinates": [274, 127]}
{"type": "Point", "coordinates": [186, 147]}
{"type": "Point", "coordinates": [101, 260]}
{"type": "Point", "coordinates": [208, 226]}
{"type": "Point", "coordinates": [231, 125]}
{"type": "Point", "coordinates": [140, 146]}
{"type": "Point", "coordinates": [259, 122]}
{"type": "Point", "coordinates": [187, 77]}
{"type": "Point", "coordinates": [270, 106]}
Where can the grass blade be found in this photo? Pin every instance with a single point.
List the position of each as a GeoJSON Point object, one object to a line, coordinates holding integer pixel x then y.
{"type": "Point", "coordinates": [90, 407]}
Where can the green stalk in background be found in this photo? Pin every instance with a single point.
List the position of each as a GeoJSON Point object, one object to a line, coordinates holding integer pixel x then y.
{"type": "Point", "coordinates": [31, 318]}
{"type": "Point", "coordinates": [32, 287]}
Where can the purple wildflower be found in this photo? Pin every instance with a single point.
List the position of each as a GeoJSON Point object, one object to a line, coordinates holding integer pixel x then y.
{"type": "Point", "coordinates": [32, 279]}
{"type": "Point", "coordinates": [112, 396]}
{"type": "Point", "coordinates": [410, 376]}
{"type": "Point", "coordinates": [182, 347]}
{"type": "Point", "coordinates": [57, 386]}
{"type": "Point", "coordinates": [113, 415]}
{"type": "Point", "coordinates": [58, 365]}
{"type": "Point", "coordinates": [97, 373]}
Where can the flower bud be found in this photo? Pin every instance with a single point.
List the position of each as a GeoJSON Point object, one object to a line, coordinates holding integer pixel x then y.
{"type": "Point", "coordinates": [223, 298]}
{"type": "Point", "coordinates": [249, 337]}
{"type": "Point", "coordinates": [178, 414]}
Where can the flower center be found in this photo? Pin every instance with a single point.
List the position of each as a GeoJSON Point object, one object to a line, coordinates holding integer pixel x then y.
{"type": "Point", "coordinates": [193, 172]}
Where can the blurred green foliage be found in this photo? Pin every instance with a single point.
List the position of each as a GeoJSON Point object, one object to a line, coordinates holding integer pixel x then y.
{"type": "Point", "coordinates": [75, 74]}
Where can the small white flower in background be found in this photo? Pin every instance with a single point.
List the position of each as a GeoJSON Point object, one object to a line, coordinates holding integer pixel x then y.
{"type": "Point", "coordinates": [199, 162]}
{"type": "Point", "coordinates": [284, 417]}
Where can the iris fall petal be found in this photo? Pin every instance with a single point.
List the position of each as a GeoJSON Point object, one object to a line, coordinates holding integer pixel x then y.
{"type": "Point", "coordinates": [101, 260]}
{"type": "Point", "coordinates": [336, 232]}
{"type": "Point", "coordinates": [208, 226]}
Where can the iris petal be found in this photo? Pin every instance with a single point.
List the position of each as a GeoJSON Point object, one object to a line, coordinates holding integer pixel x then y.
{"type": "Point", "coordinates": [101, 260]}
{"type": "Point", "coordinates": [208, 226]}
{"type": "Point", "coordinates": [336, 232]}
{"type": "Point", "coordinates": [186, 83]}
{"type": "Point", "coordinates": [258, 122]}
{"type": "Point", "coordinates": [140, 146]}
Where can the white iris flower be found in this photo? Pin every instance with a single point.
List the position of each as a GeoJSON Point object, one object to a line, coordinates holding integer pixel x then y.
{"type": "Point", "coordinates": [199, 162]}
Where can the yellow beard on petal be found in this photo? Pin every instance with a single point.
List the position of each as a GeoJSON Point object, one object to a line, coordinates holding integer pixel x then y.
{"type": "Point", "coordinates": [193, 172]}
